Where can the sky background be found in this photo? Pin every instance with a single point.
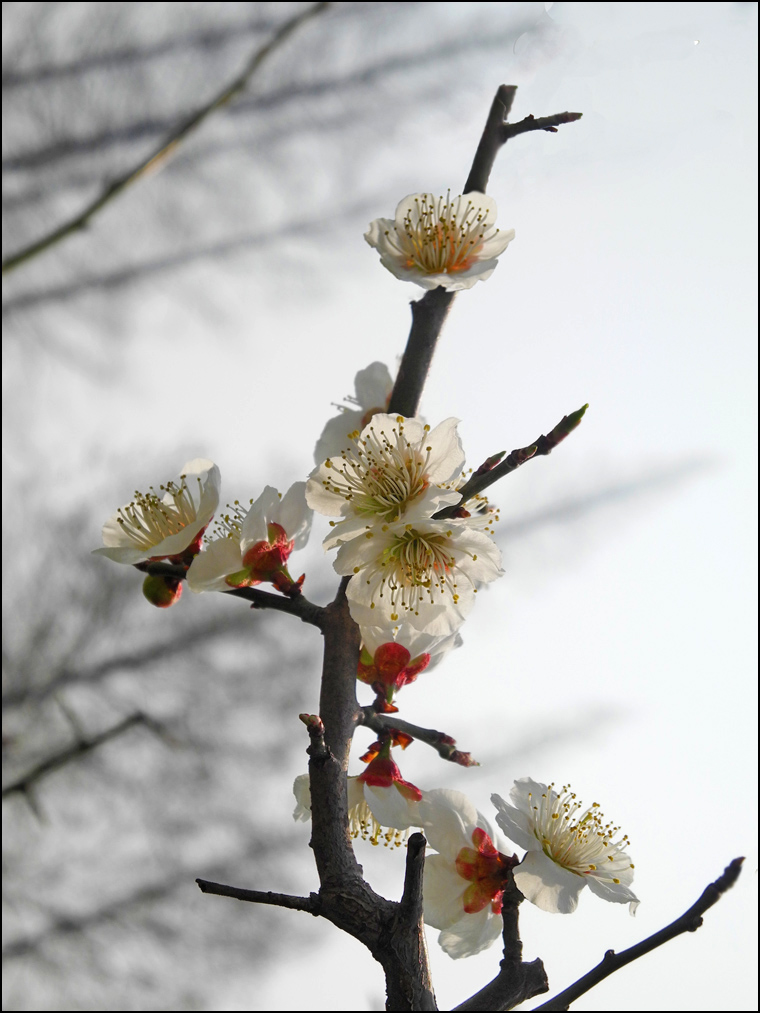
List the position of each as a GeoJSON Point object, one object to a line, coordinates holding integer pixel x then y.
{"type": "Point", "coordinates": [618, 651]}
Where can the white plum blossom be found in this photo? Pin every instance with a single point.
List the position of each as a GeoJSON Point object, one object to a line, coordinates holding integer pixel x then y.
{"type": "Point", "coordinates": [567, 848]}
{"type": "Point", "coordinates": [463, 884]}
{"type": "Point", "coordinates": [395, 468]}
{"type": "Point", "coordinates": [373, 387]}
{"type": "Point", "coordinates": [381, 805]}
{"type": "Point", "coordinates": [254, 545]}
{"type": "Point", "coordinates": [439, 241]}
{"type": "Point", "coordinates": [423, 573]}
{"type": "Point", "coordinates": [167, 523]}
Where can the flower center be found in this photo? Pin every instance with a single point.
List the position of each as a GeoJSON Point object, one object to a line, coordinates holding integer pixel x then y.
{"type": "Point", "coordinates": [382, 475]}
{"type": "Point", "coordinates": [583, 844]}
{"type": "Point", "coordinates": [437, 240]}
{"type": "Point", "coordinates": [149, 519]}
{"type": "Point", "coordinates": [416, 567]}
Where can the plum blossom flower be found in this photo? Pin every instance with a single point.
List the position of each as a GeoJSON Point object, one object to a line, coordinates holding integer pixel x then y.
{"type": "Point", "coordinates": [565, 851]}
{"type": "Point", "coordinates": [395, 469]}
{"type": "Point", "coordinates": [373, 387]}
{"type": "Point", "coordinates": [254, 545]}
{"type": "Point", "coordinates": [464, 883]}
{"type": "Point", "coordinates": [423, 573]}
{"type": "Point", "coordinates": [439, 241]}
{"type": "Point", "coordinates": [392, 658]}
{"type": "Point", "coordinates": [381, 804]}
{"type": "Point", "coordinates": [167, 524]}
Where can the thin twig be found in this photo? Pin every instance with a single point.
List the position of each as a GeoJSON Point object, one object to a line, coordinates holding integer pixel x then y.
{"type": "Point", "coordinates": [497, 132]}
{"type": "Point", "coordinates": [689, 921]}
{"type": "Point", "coordinates": [443, 744]}
{"type": "Point", "coordinates": [310, 904]}
{"type": "Point", "coordinates": [540, 448]}
{"type": "Point", "coordinates": [82, 746]}
{"type": "Point", "coordinates": [168, 147]}
{"type": "Point", "coordinates": [297, 605]}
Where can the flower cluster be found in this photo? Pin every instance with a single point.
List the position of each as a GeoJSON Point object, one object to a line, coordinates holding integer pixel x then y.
{"type": "Point", "coordinates": [469, 870]}
{"type": "Point", "coordinates": [413, 577]}
{"type": "Point", "coordinates": [246, 547]}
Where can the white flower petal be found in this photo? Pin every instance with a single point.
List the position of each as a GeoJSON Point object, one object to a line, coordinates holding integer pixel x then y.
{"type": "Point", "coordinates": [390, 808]}
{"type": "Point", "coordinates": [618, 893]}
{"type": "Point", "coordinates": [294, 515]}
{"type": "Point", "coordinates": [472, 934]}
{"type": "Point", "coordinates": [443, 890]}
{"type": "Point", "coordinates": [260, 514]}
{"type": "Point", "coordinates": [210, 567]}
{"type": "Point", "coordinates": [448, 819]}
{"type": "Point", "coordinates": [302, 792]}
{"type": "Point", "coordinates": [515, 824]}
{"type": "Point", "coordinates": [548, 885]}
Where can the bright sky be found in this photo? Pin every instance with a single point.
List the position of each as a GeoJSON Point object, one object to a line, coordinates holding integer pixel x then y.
{"type": "Point", "coordinates": [618, 651]}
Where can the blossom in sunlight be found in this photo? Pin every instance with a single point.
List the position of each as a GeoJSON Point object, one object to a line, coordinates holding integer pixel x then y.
{"type": "Point", "coordinates": [391, 659]}
{"type": "Point", "coordinates": [251, 546]}
{"type": "Point", "coordinates": [395, 468]}
{"type": "Point", "coordinates": [424, 574]}
{"type": "Point", "coordinates": [382, 806]}
{"type": "Point", "coordinates": [167, 524]}
{"type": "Point", "coordinates": [568, 847]}
{"type": "Point", "coordinates": [464, 882]}
{"type": "Point", "coordinates": [373, 387]}
{"type": "Point", "coordinates": [439, 241]}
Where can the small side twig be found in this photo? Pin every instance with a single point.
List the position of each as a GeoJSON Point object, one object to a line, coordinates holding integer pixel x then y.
{"type": "Point", "coordinates": [517, 980]}
{"type": "Point", "coordinates": [157, 158]}
{"type": "Point", "coordinates": [689, 921]}
{"type": "Point", "coordinates": [83, 745]}
{"type": "Point", "coordinates": [497, 132]}
{"type": "Point", "coordinates": [443, 744]}
{"type": "Point", "coordinates": [297, 605]}
{"type": "Point", "coordinates": [310, 904]}
{"type": "Point", "coordinates": [542, 446]}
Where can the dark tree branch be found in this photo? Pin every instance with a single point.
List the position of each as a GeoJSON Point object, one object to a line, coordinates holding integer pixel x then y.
{"type": "Point", "coordinates": [310, 904]}
{"type": "Point", "coordinates": [428, 317]}
{"type": "Point", "coordinates": [429, 313]}
{"type": "Point", "coordinates": [516, 980]}
{"type": "Point", "coordinates": [490, 142]}
{"type": "Point", "coordinates": [689, 921]}
{"type": "Point", "coordinates": [408, 931]}
{"type": "Point", "coordinates": [167, 148]}
{"type": "Point", "coordinates": [543, 446]}
{"type": "Point", "coordinates": [81, 747]}
{"type": "Point", "coordinates": [443, 744]}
